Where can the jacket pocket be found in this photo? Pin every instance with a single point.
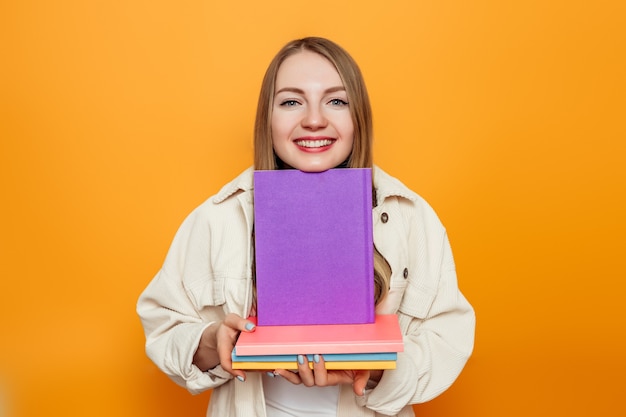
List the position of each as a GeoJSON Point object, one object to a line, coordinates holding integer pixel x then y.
{"type": "Point", "coordinates": [207, 292]}
{"type": "Point", "coordinates": [231, 293]}
{"type": "Point", "coordinates": [417, 301]}
{"type": "Point", "coordinates": [391, 302]}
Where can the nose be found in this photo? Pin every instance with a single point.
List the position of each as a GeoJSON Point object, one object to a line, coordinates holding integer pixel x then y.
{"type": "Point", "coordinates": [314, 118]}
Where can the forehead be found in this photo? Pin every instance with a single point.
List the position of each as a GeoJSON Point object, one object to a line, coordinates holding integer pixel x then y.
{"type": "Point", "coordinates": [307, 67]}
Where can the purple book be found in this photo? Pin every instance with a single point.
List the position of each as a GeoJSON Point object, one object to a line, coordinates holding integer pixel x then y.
{"type": "Point", "coordinates": [314, 247]}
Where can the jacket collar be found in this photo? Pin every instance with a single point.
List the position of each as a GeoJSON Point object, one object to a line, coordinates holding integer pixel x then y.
{"type": "Point", "coordinates": [244, 182]}
{"type": "Point", "coordinates": [386, 186]}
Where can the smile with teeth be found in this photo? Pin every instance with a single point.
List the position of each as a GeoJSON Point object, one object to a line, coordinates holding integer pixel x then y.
{"type": "Point", "coordinates": [316, 143]}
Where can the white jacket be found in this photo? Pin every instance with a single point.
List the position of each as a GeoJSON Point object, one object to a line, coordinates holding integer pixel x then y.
{"type": "Point", "coordinates": [207, 274]}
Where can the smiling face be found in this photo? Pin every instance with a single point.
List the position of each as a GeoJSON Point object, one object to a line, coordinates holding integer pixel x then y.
{"type": "Point", "coordinates": [312, 128]}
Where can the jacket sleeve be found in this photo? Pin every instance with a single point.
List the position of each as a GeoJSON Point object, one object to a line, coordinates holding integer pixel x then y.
{"type": "Point", "coordinates": [171, 320]}
{"type": "Point", "coordinates": [437, 321]}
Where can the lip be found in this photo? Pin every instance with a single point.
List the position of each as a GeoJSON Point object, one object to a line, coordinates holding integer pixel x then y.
{"type": "Point", "coordinates": [314, 143]}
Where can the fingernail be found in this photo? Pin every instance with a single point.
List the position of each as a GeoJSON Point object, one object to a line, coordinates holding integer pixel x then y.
{"type": "Point", "coordinates": [271, 374]}
{"type": "Point", "coordinates": [250, 326]}
{"type": "Point", "coordinates": [316, 358]}
{"type": "Point", "coordinates": [240, 378]}
{"type": "Point", "coordinates": [365, 391]}
{"type": "Point", "coordinates": [301, 359]}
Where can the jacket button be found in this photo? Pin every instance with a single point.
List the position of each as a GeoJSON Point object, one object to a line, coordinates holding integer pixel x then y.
{"type": "Point", "coordinates": [384, 217]}
{"type": "Point", "coordinates": [405, 274]}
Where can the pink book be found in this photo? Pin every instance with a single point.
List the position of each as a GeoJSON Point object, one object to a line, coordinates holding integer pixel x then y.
{"type": "Point", "coordinates": [314, 247]}
{"type": "Point", "coordinates": [383, 335]}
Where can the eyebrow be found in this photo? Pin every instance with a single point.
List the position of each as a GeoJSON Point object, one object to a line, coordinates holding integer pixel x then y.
{"type": "Point", "coordinates": [300, 91]}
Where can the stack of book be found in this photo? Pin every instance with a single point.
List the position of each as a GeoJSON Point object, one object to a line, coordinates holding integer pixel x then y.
{"type": "Point", "coordinates": [314, 274]}
{"type": "Point", "coordinates": [343, 346]}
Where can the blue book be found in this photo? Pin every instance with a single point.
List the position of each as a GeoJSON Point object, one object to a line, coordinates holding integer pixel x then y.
{"type": "Point", "coordinates": [330, 357]}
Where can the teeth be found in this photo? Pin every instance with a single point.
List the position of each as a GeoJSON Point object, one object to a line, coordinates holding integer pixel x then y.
{"type": "Point", "coordinates": [314, 143]}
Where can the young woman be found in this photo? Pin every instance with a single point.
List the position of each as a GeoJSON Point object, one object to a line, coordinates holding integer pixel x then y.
{"type": "Point", "coordinates": [313, 115]}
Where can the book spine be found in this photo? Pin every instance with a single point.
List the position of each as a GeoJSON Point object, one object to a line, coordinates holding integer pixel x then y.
{"type": "Point", "coordinates": [369, 236]}
{"type": "Point", "coordinates": [354, 365]}
{"type": "Point", "coordinates": [326, 348]}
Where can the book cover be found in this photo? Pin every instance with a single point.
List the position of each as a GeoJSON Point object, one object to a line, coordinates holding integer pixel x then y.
{"type": "Point", "coordinates": [314, 247]}
{"type": "Point", "coordinates": [292, 365]}
{"type": "Point", "coordinates": [383, 335]}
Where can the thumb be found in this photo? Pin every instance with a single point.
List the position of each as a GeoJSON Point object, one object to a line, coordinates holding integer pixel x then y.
{"type": "Point", "coordinates": [237, 322]}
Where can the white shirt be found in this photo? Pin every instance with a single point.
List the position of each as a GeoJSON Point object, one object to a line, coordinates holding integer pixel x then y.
{"type": "Point", "coordinates": [284, 399]}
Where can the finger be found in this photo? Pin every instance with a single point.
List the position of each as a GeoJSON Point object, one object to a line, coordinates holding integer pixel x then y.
{"type": "Point", "coordinates": [290, 376]}
{"type": "Point", "coordinates": [226, 338]}
{"type": "Point", "coordinates": [360, 381]}
{"type": "Point", "coordinates": [237, 322]}
{"type": "Point", "coordinates": [305, 373]}
{"type": "Point", "coordinates": [226, 361]}
{"type": "Point", "coordinates": [319, 371]}
{"type": "Point", "coordinates": [227, 365]}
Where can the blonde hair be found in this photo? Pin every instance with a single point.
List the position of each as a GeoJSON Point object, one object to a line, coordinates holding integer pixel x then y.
{"type": "Point", "coordinates": [360, 111]}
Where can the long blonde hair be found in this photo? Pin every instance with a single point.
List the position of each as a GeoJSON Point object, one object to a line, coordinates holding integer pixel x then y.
{"type": "Point", "coordinates": [360, 111]}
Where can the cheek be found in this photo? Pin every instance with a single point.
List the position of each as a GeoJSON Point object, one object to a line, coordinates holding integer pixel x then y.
{"type": "Point", "coordinates": [348, 128]}
{"type": "Point", "coordinates": [350, 131]}
{"type": "Point", "coordinates": [280, 127]}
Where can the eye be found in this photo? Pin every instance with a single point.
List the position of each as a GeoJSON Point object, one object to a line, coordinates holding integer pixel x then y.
{"type": "Point", "coordinates": [289, 103]}
{"type": "Point", "coordinates": [338, 102]}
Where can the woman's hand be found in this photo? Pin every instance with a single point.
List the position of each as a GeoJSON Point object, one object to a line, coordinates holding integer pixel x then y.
{"type": "Point", "coordinates": [217, 343]}
{"type": "Point", "coordinates": [322, 377]}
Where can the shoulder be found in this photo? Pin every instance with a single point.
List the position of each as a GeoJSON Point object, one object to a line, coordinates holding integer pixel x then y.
{"type": "Point", "coordinates": [244, 182]}
{"type": "Point", "coordinates": [390, 187]}
{"type": "Point", "coordinates": [387, 186]}
{"type": "Point", "coordinates": [224, 204]}
{"type": "Point", "coordinates": [390, 191]}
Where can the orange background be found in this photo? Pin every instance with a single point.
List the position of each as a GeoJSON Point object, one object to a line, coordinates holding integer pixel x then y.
{"type": "Point", "coordinates": [119, 117]}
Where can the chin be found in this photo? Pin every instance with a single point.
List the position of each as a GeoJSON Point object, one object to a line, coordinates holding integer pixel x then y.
{"type": "Point", "coordinates": [315, 167]}
{"type": "Point", "coordinates": [313, 164]}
